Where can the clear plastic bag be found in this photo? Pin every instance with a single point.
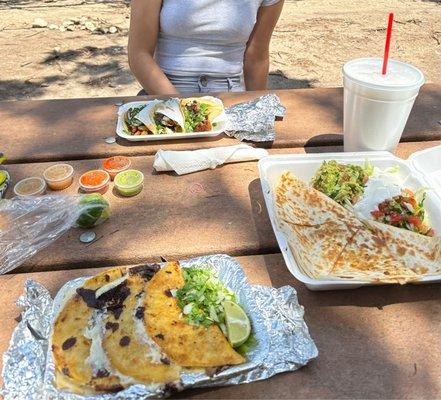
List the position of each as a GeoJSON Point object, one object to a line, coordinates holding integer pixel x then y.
{"type": "Point", "coordinates": [29, 224]}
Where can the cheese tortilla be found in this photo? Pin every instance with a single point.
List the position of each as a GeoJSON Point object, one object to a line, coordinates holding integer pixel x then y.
{"type": "Point", "coordinates": [186, 345]}
{"type": "Point", "coordinates": [128, 351]}
{"type": "Point", "coordinates": [70, 348]}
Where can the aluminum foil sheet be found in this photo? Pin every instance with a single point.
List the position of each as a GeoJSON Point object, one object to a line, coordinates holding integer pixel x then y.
{"type": "Point", "coordinates": [283, 340]}
{"type": "Point", "coordinates": [255, 119]}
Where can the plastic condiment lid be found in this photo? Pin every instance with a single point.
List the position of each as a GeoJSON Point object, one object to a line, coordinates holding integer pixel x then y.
{"type": "Point", "coordinates": [66, 169]}
{"type": "Point", "coordinates": [129, 178]}
{"type": "Point", "coordinates": [367, 72]}
{"type": "Point", "coordinates": [38, 185]}
{"type": "Point", "coordinates": [99, 172]}
{"type": "Point", "coordinates": [121, 161]}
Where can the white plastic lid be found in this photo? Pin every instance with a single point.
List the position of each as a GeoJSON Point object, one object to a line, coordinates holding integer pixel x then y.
{"type": "Point", "coordinates": [428, 163]}
{"type": "Point", "coordinates": [399, 76]}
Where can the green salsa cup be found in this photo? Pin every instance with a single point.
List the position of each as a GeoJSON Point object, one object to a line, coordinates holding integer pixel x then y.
{"type": "Point", "coordinates": [129, 183]}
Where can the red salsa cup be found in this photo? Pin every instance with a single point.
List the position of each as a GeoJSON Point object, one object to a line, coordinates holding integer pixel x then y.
{"type": "Point", "coordinates": [116, 164]}
{"type": "Point", "coordinates": [95, 181]}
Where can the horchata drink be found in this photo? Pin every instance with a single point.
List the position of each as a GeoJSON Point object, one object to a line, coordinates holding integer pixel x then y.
{"type": "Point", "coordinates": [376, 106]}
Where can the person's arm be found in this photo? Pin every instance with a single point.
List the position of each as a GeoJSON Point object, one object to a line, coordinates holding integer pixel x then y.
{"type": "Point", "coordinates": [143, 34]}
{"type": "Point", "coordinates": [256, 58]}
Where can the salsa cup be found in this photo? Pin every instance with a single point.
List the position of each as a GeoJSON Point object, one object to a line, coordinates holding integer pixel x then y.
{"type": "Point", "coordinates": [95, 181]}
{"type": "Point", "coordinates": [59, 176]}
{"type": "Point", "coordinates": [33, 186]}
{"type": "Point", "coordinates": [116, 164]}
{"type": "Point", "coordinates": [129, 183]}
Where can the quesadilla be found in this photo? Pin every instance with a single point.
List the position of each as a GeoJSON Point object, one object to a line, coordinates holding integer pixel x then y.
{"type": "Point", "coordinates": [185, 344]}
{"type": "Point", "coordinates": [329, 242]}
{"type": "Point", "coordinates": [200, 112]}
{"type": "Point", "coordinates": [129, 349]}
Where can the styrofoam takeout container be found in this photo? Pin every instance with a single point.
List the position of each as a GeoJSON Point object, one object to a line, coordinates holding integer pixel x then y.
{"type": "Point", "coordinates": [220, 120]}
{"type": "Point", "coordinates": [422, 169]}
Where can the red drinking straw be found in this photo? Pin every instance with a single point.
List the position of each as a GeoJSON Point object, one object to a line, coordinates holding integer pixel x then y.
{"type": "Point", "coordinates": [387, 45]}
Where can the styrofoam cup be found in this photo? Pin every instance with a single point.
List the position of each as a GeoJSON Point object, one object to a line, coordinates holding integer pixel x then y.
{"type": "Point", "coordinates": [376, 106]}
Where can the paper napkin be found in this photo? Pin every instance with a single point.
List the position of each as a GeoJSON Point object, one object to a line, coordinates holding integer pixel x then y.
{"type": "Point", "coordinates": [186, 162]}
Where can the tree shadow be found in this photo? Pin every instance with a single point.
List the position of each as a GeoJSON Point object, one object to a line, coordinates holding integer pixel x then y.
{"type": "Point", "coordinates": [94, 73]}
{"type": "Point", "coordinates": [278, 80]}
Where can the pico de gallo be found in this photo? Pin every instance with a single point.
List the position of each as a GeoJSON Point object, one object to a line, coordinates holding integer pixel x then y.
{"type": "Point", "coordinates": [404, 211]}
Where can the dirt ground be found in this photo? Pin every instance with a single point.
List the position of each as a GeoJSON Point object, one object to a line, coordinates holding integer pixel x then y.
{"type": "Point", "coordinates": [312, 41]}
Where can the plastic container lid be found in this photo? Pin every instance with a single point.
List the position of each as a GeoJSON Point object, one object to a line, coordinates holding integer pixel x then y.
{"type": "Point", "coordinates": [367, 72]}
{"type": "Point", "coordinates": [129, 179]}
{"type": "Point", "coordinates": [66, 171]}
{"type": "Point", "coordinates": [116, 164]}
{"type": "Point", "coordinates": [428, 163]}
{"type": "Point", "coordinates": [87, 182]}
{"type": "Point", "coordinates": [33, 186]}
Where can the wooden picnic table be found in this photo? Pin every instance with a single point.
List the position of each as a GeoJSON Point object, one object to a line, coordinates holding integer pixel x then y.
{"type": "Point", "coordinates": [377, 342]}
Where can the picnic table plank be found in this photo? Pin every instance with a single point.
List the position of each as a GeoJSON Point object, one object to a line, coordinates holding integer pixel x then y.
{"type": "Point", "coordinates": [374, 342]}
{"type": "Point", "coordinates": [212, 211]}
{"type": "Point", "coordinates": [44, 130]}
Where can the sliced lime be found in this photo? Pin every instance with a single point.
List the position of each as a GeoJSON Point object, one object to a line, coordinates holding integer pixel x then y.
{"type": "Point", "coordinates": [3, 177]}
{"type": "Point", "coordinates": [238, 324]}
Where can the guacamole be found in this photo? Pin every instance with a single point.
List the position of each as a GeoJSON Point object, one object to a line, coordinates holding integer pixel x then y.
{"type": "Point", "coordinates": [344, 183]}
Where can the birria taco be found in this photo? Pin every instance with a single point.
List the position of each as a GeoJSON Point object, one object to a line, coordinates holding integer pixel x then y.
{"type": "Point", "coordinates": [200, 112]}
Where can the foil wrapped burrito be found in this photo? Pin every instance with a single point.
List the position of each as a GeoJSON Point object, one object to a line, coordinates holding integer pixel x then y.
{"type": "Point", "coordinates": [115, 331]}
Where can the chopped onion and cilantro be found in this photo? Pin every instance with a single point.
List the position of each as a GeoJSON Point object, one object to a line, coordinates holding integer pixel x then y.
{"type": "Point", "coordinates": [405, 211]}
{"type": "Point", "coordinates": [344, 183]}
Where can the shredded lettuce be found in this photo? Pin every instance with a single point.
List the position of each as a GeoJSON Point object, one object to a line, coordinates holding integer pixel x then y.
{"type": "Point", "coordinates": [368, 168]}
{"type": "Point", "coordinates": [393, 170]}
{"type": "Point", "coordinates": [202, 296]}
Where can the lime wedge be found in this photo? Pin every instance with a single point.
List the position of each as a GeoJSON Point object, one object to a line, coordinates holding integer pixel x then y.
{"type": "Point", "coordinates": [3, 177]}
{"type": "Point", "coordinates": [238, 324]}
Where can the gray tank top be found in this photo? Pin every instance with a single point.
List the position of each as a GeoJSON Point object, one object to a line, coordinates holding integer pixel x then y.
{"type": "Point", "coordinates": [205, 37]}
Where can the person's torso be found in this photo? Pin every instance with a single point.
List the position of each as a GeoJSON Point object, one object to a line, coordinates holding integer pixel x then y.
{"type": "Point", "coordinates": [204, 36]}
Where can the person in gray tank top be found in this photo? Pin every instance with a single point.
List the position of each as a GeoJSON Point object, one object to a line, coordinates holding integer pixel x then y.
{"type": "Point", "coordinates": [190, 46]}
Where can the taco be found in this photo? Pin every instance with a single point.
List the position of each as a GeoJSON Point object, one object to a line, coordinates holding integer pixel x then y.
{"type": "Point", "coordinates": [200, 112]}
{"type": "Point", "coordinates": [131, 124]}
{"type": "Point", "coordinates": [162, 117]}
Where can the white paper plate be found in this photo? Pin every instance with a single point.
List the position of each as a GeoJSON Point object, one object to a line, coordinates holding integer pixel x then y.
{"type": "Point", "coordinates": [220, 128]}
{"type": "Point", "coordinates": [304, 166]}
